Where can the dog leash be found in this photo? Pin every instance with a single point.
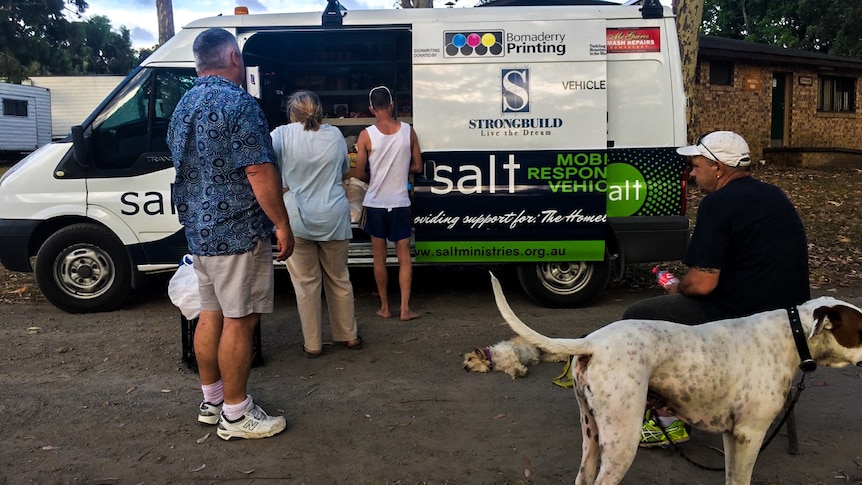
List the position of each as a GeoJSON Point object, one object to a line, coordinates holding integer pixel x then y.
{"type": "Point", "coordinates": [806, 365]}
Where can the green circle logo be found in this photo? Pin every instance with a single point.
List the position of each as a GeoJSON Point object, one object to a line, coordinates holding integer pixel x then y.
{"type": "Point", "coordinates": [627, 190]}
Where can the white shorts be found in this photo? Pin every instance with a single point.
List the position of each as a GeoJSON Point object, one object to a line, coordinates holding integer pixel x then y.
{"type": "Point", "coordinates": [238, 284]}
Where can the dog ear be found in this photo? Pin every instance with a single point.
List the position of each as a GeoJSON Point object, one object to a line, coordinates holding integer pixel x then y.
{"type": "Point", "coordinates": [844, 322]}
{"type": "Point", "coordinates": [823, 318]}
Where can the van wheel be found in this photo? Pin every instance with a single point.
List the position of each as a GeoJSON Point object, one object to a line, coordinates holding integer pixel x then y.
{"type": "Point", "coordinates": [564, 284]}
{"type": "Point", "coordinates": [83, 268]}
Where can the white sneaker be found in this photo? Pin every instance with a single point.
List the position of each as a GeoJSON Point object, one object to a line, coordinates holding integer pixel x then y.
{"type": "Point", "coordinates": [209, 413]}
{"type": "Point", "coordinates": [255, 423]}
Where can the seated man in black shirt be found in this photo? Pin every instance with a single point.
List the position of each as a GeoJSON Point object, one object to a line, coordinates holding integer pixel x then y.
{"type": "Point", "coordinates": [748, 253]}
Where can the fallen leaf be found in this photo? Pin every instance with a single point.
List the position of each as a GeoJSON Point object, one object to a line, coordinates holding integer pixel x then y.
{"type": "Point", "coordinates": [246, 472]}
{"type": "Point", "coordinates": [843, 239]}
{"type": "Point", "coordinates": [33, 330]}
{"type": "Point", "coordinates": [836, 204]}
{"type": "Point", "coordinates": [131, 390]}
{"type": "Point", "coordinates": [501, 415]}
{"type": "Point", "coordinates": [49, 448]}
{"type": "Point", "coordinates": [166, 391]}
{"type": "Point", "coordinates": [19, 291]}
{"type": "Point", "coordinates": [203, 438]}
{"type": "Point", "coordinates": [200, 468]}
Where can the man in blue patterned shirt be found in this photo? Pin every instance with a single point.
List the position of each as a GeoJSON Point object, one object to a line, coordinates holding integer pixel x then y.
{"type": "Point", "coordinates": [228, 196]}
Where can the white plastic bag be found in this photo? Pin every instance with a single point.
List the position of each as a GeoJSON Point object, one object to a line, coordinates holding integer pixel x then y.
{"type": "Point", "coordinates": [355, 190]}
{"type": "Point", "coordinates": [183, 289]}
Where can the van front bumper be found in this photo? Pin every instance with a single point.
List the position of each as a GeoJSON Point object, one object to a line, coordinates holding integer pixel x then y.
{"type": "Point", "coordinates": [15, 237]}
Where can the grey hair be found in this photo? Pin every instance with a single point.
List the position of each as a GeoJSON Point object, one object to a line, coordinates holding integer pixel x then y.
{"type": "Point", "coordinates": [304, 107]}
{"type": "Point", "coordinates": [212, 49]}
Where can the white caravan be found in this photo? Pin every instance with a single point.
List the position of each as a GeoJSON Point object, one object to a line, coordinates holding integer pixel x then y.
{"type": "Point", "coordinates": [25, 118]}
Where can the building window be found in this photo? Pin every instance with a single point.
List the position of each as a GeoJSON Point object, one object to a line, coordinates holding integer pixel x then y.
{"type": "Point", "coordinates": [14, 107]}
{"type": "Point", "coordinates": [721, 73]}
{"type": "Point", "coordinates": [837, 94]}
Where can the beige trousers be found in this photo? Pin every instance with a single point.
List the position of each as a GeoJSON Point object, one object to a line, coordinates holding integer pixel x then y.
{"type": "Point", "coordinates": [322, 263]}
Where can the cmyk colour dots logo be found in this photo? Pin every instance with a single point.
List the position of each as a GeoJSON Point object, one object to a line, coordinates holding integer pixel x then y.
{"type": "Point", "coordinates": [481, 43]}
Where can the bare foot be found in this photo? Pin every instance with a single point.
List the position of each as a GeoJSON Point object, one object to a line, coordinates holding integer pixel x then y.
{"type": "Point", "coordinates": [384, 313]}
{"type": "Point", "coordinates": [406, 317]}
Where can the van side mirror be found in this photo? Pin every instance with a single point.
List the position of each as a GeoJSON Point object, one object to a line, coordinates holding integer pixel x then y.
{"type": "Point", "coordinates": [79, 145]}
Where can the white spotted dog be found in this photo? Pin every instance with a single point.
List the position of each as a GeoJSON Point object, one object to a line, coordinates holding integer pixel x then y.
{"type": "Point", "coordinates": [510, 356]}
{"type": "Point", "coordinates": [729, 377]}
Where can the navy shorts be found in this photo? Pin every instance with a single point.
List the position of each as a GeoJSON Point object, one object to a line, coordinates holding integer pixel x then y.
{"type": "Point", "coordinates": [393, 224]}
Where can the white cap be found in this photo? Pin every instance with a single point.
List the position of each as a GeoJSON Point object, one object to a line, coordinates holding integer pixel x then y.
{"type": "Point", "coordinates": [720, 146]}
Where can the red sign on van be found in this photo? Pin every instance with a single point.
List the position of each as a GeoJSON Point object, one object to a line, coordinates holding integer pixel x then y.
{"type": "Point", "coordinates": [647, 39]}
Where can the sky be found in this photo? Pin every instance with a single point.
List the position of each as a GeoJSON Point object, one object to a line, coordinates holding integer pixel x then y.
{"type": "Point", "coordinates": [139, 16]}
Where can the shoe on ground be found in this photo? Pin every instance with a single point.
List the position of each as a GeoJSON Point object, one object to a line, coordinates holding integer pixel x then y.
{"type": "Point", "coordinates": [652, 435]}
{"type": "Point", "coordinates": [255, 423]}
{"type": "Point", "coordinates": [209, 413]}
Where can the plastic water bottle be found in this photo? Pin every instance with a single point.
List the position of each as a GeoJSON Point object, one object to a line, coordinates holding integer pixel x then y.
{"type": "Point", "coordinates": [664, 278]}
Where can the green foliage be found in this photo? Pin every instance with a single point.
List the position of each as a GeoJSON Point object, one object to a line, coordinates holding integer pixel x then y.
{"type": "Point", "coordinates": [37, 39]}
{"type": "Point", "coordinates": [825, 26]}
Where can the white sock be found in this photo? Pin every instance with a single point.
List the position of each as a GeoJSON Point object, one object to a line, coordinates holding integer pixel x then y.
{"type": "Point", "coordinates": [235, 411]}
{"type": "Point", "coordinates": [666, 420]}
{"type": "Point", "coordinates": [213, 393]}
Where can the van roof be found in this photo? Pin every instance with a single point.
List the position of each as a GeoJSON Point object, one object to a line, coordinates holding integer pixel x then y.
{"type": "Point", "coordinates": [178, 49]}
{"type": "Point", "coordinates": [409, 15]}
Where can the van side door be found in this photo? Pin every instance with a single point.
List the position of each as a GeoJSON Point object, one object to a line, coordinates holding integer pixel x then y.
{"type": "Point", "coordinates": [512, 119]}
{"type": "Point", "coordinates": [130, 171]}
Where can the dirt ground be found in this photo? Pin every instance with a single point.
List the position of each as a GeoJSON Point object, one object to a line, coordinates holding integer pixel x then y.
{"type": "Point", "coordinates": [105, 399]}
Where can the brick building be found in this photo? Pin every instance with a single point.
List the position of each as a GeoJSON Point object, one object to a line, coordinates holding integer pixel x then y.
{"type": "Point", "coordinates": [793, 107]}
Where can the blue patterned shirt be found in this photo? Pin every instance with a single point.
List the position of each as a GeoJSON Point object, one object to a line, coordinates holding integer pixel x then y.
{"type": "Point", "coordinates": [216, 131]}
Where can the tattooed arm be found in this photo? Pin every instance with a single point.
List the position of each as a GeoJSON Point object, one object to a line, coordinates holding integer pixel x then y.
{"type": "Point", "coordinates": [697, 281]}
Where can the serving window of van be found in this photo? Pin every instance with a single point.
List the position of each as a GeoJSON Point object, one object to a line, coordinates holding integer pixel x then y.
{"type": "Point", "coordinates": [339, 66]}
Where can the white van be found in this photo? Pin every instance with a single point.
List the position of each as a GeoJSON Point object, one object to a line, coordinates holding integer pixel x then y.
{"type": "Point", "coordinates": [548, 138]}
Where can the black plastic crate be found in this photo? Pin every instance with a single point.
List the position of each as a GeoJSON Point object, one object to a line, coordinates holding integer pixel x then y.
{"type": "Point", "coordinates": [187, 330]}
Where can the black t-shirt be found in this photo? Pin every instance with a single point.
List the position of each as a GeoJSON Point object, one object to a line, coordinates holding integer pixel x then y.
{"type": "Point", "coordinates": [750, 231]}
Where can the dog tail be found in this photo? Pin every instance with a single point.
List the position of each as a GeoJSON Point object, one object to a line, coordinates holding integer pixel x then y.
{"type": "Point", "coordinates": [551, 345]}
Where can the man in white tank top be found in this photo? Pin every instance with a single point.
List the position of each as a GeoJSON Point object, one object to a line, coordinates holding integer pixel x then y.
{"type": "Point", "coordinates": [390, 150]}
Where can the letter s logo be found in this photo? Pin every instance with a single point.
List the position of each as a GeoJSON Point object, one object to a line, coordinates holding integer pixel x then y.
{"type": "Point", "coordinates": [516, 90]}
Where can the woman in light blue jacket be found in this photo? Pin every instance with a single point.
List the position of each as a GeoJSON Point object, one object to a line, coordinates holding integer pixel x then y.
{"type": "Point", "coordinates": [314, 162]}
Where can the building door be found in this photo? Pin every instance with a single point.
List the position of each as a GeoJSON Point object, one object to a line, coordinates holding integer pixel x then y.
{"type": "Point", "coordinates": [780, 106]}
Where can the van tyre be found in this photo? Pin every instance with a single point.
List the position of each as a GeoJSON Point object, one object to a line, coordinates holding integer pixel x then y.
{"type": "Point", "coordinates": [83, 268]}
{"type": "Point", "coordinates": [564, 284]}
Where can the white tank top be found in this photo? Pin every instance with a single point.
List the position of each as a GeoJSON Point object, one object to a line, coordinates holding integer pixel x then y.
{"type": "Point", "coordinates": [389, 163]}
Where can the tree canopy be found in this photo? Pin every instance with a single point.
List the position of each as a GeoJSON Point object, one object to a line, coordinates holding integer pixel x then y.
{"type": "Point", "coordinates": [37, 39]}
{"type": "Point", "coordinates": [825, 26]}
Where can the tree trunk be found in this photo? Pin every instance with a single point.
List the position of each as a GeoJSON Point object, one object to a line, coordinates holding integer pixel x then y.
{"type": "Point", "coordinates": [165, 10]}
{"type": "Point", "coordinates": [689, 15]}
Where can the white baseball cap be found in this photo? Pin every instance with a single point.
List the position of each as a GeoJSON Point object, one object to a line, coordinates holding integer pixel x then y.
{"type": "Point", "coordinates": [720, 146]}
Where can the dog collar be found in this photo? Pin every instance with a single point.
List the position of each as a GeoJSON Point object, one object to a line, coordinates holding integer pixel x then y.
{"type": "Point", "coordinates": [807, 364]}
{"type": "Point", "coordinates": [488, 356]}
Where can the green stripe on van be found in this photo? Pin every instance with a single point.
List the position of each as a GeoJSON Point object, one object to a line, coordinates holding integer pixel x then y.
{"type": "Point", "coordinates": [508, 251]}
